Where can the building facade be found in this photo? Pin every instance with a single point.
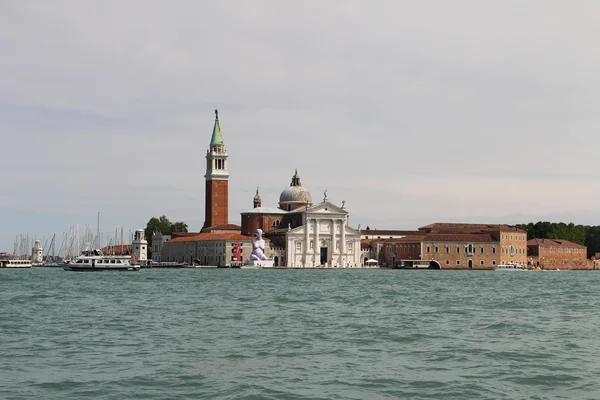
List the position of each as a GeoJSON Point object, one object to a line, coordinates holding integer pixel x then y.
{"type": "Point", "coordinates": [324, 239]}
{"type": "Point", "coordinates": [557, 254]}
{"type": "Point", "coordinates": [158, 241]}
{"type": "Point", "coordinates": [210, 249]}
{"type": "Point", "coordinates": [456, 246]}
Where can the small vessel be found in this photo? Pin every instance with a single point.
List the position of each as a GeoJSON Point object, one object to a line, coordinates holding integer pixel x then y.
{"type": "Point", "coordinates": [9, 263]}
{"type": "Point", "coordinates": [94, 260]}
{"type": "Point", "coordinates": [510, 267]}
{"type": "Point", "coordinates": [250, 266]}
{"type": "Point", "coordinates": [162, 264]}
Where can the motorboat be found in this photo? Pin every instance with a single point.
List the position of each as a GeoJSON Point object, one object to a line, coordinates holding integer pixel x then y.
{"type": "Point", "coordinates": [12, 263]}
{"type": "Point", "coordinates": [95, 260]}
{"type": "Point", "coordinates": [510, 267]}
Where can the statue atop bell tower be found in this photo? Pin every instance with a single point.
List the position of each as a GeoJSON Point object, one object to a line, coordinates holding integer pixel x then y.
{"type": "Point", "coordinates": [217, 180]}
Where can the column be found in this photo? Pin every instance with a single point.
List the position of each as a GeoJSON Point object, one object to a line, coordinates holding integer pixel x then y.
{"type": "Point", "coordinates": [306, 241]}
{"type": "Point", "coordinates": [333, 239]}
{"type": "Point", "coordinates": [343, 244]}
{"type": "Point", "coordinates": [316, 244]}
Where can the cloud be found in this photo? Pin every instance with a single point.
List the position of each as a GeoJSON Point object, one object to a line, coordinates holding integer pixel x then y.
{"type": "Point", "coordinates": [428, 110]}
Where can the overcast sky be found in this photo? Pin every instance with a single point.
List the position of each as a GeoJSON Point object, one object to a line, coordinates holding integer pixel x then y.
{"type": "Point", "coordinates": [411, 112]}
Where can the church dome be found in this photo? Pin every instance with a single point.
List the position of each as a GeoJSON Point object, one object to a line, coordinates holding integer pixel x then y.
{"type": "Point", "coordinates": [295, 195]}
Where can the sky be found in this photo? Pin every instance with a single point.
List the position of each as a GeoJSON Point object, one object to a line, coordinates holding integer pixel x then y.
{"type": "Point", "coordinates": [410, 112]}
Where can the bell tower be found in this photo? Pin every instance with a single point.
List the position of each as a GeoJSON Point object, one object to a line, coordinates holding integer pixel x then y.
{"type": "Point", "coordinates": [217, 180]}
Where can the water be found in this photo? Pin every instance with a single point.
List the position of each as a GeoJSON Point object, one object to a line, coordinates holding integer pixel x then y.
{"type": "Point", "coordinates": [299, 334]}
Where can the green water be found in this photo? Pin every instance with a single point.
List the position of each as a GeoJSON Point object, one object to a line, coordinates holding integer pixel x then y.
{"type": "Point", "coordinates": [299, 334]}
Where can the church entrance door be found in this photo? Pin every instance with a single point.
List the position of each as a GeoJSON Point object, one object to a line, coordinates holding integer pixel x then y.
{"type": "Point", "coordinates": [470, 264]}
{"type": "Point", "coordinates": [323, 255]}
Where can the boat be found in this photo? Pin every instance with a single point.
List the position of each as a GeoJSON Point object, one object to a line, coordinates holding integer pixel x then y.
{"type": "Point", "coordinates": [510, 267]}
{"type": "Point", "coordinates": [95, 260]}
{"type": "Point", "coordinates": [162, 264]}
{"type": "Point", "coordinates": [11, 263]}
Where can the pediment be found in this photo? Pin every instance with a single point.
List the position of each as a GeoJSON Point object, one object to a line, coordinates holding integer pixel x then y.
{"type": "Point", "coordinates": [326, 208]}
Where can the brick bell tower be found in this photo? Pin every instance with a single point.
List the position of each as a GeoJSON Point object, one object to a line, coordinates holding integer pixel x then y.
{"type": "Point", "coordinates": [217, 180]}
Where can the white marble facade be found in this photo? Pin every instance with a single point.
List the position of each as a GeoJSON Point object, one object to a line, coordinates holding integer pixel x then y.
{"type": "Point", "coordinates": [324, 239]}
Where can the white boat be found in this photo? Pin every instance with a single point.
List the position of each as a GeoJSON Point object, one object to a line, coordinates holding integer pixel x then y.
{"type": "Point", "coordinates": [94, 260]}
{"type": "Point", "coordinates": [510, 267]}
{"type": "Point", "coordinates": [15, 264]}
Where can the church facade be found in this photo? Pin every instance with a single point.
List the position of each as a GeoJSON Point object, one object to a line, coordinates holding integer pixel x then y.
{"type": "Point", "coordinates": [324, 239]}
{"type": "Point", "coordinates": [304, 234]}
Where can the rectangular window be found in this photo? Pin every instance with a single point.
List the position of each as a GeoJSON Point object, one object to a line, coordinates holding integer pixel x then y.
{"type": "Point", "coordinates": [481, 262]}
{"type": "Point", "coordinates": [427, 251]}
{"type": "Point", "coordinates": [436, 249]}
{"type": "Point", "coordinates": [447, 249]}
{"type": "Point", "coordinates": [481, 250]}
{"type": "Point", "coordinates": [447, 262]}
{"type": "Point", "coordinates": [457, 262]}
{"type": "Point", "coordinates": [494, 250]}
{"type": "Point", "coordinates": [457, 249]}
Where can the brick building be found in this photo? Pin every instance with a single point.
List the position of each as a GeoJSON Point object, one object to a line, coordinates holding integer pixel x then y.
{"type": "Point", "coordinates": [457, 246]}
{"type": "Point", "coordinates": [214, 249]}
{"type": "Point", "coordinates": [557, 254]}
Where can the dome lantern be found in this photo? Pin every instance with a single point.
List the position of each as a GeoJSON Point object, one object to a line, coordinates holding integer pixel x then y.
{"type": "Point", "coordinates": [295, 195]}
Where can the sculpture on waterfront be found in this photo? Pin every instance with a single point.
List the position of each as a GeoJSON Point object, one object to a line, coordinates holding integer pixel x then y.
{"type": "Point", "coordinates": [258, 247]}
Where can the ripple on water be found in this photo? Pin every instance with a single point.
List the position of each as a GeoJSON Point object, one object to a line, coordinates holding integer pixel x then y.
{"type": "Point", "coordinates": [224, 334]}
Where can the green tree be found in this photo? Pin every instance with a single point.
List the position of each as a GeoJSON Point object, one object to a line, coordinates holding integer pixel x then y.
{"type": "Point", "coordinates": [585, 235]}
{"type": "Point", "coordinates": [163, 225]}
{"type": "Point", "coordinates": [179, 227]}
{"type": "Point", "coordinates": [160, 224]}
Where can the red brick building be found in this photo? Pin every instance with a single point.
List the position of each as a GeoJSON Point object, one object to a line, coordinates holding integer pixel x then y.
{"type": "Point", "coordinates": [556, 254]}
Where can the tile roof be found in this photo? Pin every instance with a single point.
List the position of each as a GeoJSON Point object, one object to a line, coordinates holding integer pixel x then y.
{"type": "Point", "coordinates": [208, 236]}
{"type": "Point", "coordinates": [380, 232]}
{"type": "Point", "coordinates": [553, 243]}
{"type": "Point", "coordinates": [118, 249]}
{"type": "Point", "coordinates": [265, 210]}
{"type": "Point", "coordinates": [182, 234]}
{"type": "Point", "coordinates": [436, 226]}
{"type": "Point", "coordinates": [223, 227]}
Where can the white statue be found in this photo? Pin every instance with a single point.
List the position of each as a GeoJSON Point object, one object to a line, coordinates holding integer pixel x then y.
{"type": "Point", "coordinates": [258, 247]}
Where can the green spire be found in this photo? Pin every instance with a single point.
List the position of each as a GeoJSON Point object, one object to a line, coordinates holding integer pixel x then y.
{"type": "Point", "coordinates": [217, 136]}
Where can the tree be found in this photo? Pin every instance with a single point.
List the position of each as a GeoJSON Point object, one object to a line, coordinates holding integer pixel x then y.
{"type": "Point", "coordinates": [179, 227]}
{"type": "Point", "coordinates": [585, 235]}
{"type": "Point", "coordinates": [163, 225]}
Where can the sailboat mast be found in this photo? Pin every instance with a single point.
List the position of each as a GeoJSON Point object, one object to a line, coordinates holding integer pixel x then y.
{"type": "Point", "coordinates": [98, 244]}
